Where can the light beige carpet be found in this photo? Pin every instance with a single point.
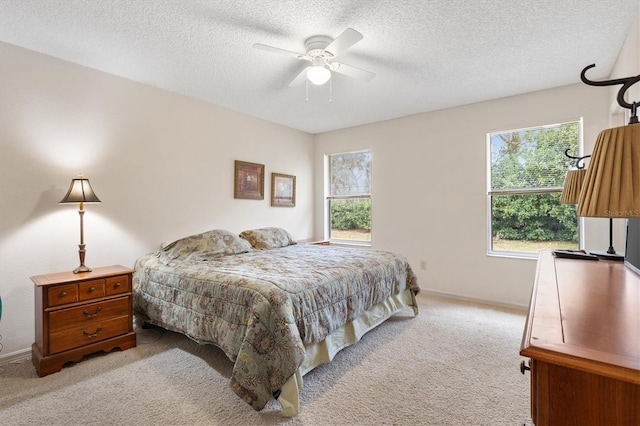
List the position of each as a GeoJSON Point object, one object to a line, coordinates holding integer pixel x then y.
{"type": "Point", "coordinates": [454, 364]}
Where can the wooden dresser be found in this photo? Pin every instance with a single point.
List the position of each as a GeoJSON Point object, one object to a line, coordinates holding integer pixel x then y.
{"type": "Point", "coordinates": [78, 314]}
{"type": "Point", "coordinates": [582, 336]}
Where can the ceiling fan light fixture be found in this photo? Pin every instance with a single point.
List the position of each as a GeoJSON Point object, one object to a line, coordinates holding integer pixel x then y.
{"type": "Point", "coordinates": [318, 74]}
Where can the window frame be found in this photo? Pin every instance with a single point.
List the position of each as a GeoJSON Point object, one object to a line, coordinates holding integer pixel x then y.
{"type": "Point", "coordinates": [328, 198]}
{"type": "Point", "coordinates": [490, 193]}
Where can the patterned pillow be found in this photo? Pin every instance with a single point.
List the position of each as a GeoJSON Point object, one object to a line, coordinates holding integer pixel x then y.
{"type": "Point", "coordinates": [206, 246]}
{"type": "Point", "coordinates": [266, 238]}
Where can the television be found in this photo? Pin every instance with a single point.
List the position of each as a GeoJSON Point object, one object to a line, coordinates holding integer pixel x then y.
{"type": "Point", "coordinates": [632, 252]}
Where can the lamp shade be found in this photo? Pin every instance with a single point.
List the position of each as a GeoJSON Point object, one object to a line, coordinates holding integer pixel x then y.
{"type": "Point", "coordinates": [80, 191]}
{"type": "Point", "coordinates": [572, 186]}
{"type": "Point", "coordinates": [611, 187]}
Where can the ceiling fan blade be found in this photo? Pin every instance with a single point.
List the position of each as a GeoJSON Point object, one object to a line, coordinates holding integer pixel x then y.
{"type": "Point", "coordinates": [300, 77]}
{"type": "Point", "coordinates": [348, 38]}
{"type": "Point", "coordinates": [278, 50]}
{"type": "Point", "coordinates": [353, 72]}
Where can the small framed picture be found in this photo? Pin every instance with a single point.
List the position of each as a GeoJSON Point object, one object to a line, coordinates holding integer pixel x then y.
{"type": "Point", "coordinates": [248, 181]}
{"type": "Point", "coordinates": [283, 190]}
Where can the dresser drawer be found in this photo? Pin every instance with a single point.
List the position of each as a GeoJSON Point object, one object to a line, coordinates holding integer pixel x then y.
{"type": "Point", "coordinates": [118, 285]}
{"type": "Point", "coordinates": [91, 289]}
{"type": "Point", "coordinates": [62, 294]}
{"type": "Point", "coordinates": [65, 319]}
{"type": "Point", "coordinates": [85, 335]}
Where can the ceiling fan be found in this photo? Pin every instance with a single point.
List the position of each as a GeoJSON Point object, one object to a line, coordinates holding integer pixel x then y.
{"type": "Point", "coordinates": [320, 52]}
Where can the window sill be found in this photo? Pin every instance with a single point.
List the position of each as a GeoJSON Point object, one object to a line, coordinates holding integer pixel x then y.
{"type": "Point", "coordinates": [513, 255]}
{"type": "Point", "coordinates": [346, 243]}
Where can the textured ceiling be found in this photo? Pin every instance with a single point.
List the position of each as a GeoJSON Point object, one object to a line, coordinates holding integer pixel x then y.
{"type": "Point", "coordinates": [427, 55]}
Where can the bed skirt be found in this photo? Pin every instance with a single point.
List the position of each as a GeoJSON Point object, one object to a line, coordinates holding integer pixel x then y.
{"type": "Point", "coordinates": [323, 352]}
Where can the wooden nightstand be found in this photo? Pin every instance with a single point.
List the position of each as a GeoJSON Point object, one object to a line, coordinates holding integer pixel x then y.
{"type": "Point", "coordinates": [79, 314]}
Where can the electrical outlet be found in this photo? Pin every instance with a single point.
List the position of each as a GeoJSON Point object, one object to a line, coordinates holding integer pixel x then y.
{"type": "Point", "coordinates": [423, 265]}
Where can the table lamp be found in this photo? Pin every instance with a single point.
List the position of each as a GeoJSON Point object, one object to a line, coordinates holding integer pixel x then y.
{"type": "Point", "coordinates": [573, 181]}
{"type": "Point", "coordinates": [611, 187]}
{"type": "Point", "coordinates": [80, 191]}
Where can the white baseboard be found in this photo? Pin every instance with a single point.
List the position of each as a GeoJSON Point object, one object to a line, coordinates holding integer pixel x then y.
{"type": "Point", "coordinates": [16, 356]}
{"type": "Point", "coordinates": [475, 300]}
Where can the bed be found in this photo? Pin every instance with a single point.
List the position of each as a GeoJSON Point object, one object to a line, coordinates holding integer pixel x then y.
{"type": "Point", "coordinates": [275, 307]}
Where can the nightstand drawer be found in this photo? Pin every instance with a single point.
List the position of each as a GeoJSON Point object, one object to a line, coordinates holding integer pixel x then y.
{"type": "Point", "coordinates": [66, 319]}
{"type": "Point", "coordinates": [91, 289]}
{"type": "Point", "coordinates": [84, 335]}
{"type": "Point", "coordinates": [62, 294]}
{"type": "Point", "coordinates": [118, 285]}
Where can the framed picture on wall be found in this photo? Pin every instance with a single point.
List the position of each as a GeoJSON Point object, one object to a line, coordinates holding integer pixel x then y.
{"type": "Point", "coordinates": [248, 181]}
{"type": "Point", "coordinates": [283, 190]}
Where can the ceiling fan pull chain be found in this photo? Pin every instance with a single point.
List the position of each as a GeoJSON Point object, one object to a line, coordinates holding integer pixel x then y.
{"type": "Point", "coordinates": [307, 86]}
{"type": "Point", "coordinates": [330, 91]}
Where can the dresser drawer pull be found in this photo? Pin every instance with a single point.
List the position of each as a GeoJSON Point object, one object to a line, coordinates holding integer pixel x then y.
{"type": "Point", "coordinates": [117, 285]}
{"type": "Point", "coordinates": [63, 294]}
{"type": "Point", "coordinates": [88, 315]}
{"type": "Point", "coordinates": [524, 367]}
{"type": "Point", "coordinates": [91, 336]}
{"type": "Point", "coordinates": [92, 289]}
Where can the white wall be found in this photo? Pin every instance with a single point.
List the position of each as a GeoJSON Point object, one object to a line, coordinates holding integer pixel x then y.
{"type": "Point", "coordinates": [627, 65]}
{"type": "Point", "coordinates": [429, 186]}
{"type": "Point", "coordinates": [161, 163]}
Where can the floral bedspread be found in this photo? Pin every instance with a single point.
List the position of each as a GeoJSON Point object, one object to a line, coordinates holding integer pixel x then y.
{"type": "Point", "coordinates": [263, 306]}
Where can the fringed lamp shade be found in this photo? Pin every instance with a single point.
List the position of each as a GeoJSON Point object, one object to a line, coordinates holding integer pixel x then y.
{"type": "Point", "coordinates": [612, 184]}
{"type": "Point", "coordinates": [572, 186]}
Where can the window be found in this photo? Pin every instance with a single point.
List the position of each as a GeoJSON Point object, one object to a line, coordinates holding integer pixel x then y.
{"type": "Point", "coordinates": [527, 168]}
{"type": "Point", "coordinates": [349, 197]}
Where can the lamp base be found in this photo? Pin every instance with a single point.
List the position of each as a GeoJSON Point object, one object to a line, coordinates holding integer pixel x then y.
{"type": "Point", "coordinates": [608, 256]}
{"type": "Point", "coordinates": [81, 268]}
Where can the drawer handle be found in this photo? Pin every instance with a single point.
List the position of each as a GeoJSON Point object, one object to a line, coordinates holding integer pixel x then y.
{"type": "Point", "coordinates": [91, 336]}
{"type": "Point", "coordinates": [88, 315]}
{"type": "Point", "coordinates": [524, 367]}
{"type": "Point", "coordinates": [63, 294]}
{"type": "Point", "coordinates": [92, 289]}
{"type": "Point", "coordinates": [117, 285]}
